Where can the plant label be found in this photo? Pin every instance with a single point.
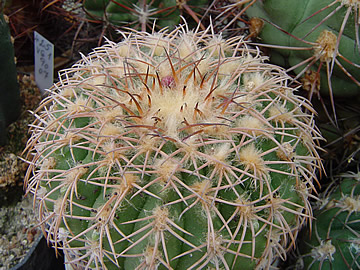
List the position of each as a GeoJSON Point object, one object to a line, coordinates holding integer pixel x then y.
{"type": "Point", "coordinates": [44, 62]}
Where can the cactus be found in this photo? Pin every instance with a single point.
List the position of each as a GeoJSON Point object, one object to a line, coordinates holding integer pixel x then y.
{"type": "Point", "coordinates": [317, 39]}
{"type": "Point", "coordinates": [141, 14]}
{"type": "Point", "coordinates": [173, 150]}
{"type": "Point", "coordinates": [229, 12]}
{"type": "Point", "coordinates": [325, 27]}
{"type": "Point", "coordinates": [335, 242]}
{"type": "Point", "coordinates": [342, 148]}
{"type": "Point", "coordinates": [9, 88]}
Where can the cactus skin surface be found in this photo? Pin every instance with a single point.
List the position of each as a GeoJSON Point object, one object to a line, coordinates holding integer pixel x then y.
{"type": "Point", "coordinates": [142, 13]}
{"type": "Point", "coordinates": [292, 16]}
{"type": "Point", "coordinates": [335, 243]}
{"type": "Point", "coordinates": [175, 150]}
{"type": "Point", "coordinates": [9, 88]}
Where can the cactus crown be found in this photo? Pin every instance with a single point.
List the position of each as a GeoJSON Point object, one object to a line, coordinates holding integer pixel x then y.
{"type": "Point", "coordinates": [173, 150]}
{"type": "Point", "coordinates": [352, 3]}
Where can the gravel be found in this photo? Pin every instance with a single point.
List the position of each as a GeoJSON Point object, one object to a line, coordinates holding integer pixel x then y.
{"type": "Point", "coordinates": [18, 232]}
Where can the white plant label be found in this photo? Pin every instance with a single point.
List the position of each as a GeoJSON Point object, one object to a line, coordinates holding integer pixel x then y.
{"type": "Point", "coordinates": [44, 62]}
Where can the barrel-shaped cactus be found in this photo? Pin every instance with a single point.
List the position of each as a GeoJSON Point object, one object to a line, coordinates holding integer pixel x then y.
{"type": "Point", "coordinates": [318, 39]}
{"type": "Point", "coordinates": [176, 150]}
{"type": "Point", "coordinates": [143, 13]}
{"type": "Point", "coordinates": [335, 240]}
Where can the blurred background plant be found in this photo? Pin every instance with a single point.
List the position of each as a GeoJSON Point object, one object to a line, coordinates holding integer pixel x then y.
{"type": "Point", "coordinates": [145, 14]}
{"type": "Point", "coordinates": [105, 17]}
{"type": "Point", "coordinates": [333, 240]}
{"type": "Point", "coordinates": [9, 88]}
{"type": "Point", "coordinates": [318, 40]}
{"type": "Point", "coordinates": [343, 141]}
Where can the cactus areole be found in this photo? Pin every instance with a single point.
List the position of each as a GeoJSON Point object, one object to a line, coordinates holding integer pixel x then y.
{"type": "Point", "coordinates": [317, 36]}
{"type": "Point", "coordinates": [335, 241]}
{"type": "Point", "coordinates": [175, 150]}
{"type": "Point", "coordinates": [142, 13]}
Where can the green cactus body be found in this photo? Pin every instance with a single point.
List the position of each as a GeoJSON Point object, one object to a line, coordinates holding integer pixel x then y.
{"type": "Point", "coordinates": [335, 243]}
{"type": "Point", "coordinates": [316, 26]}
{"type": "Point", "coordinates": [9, 88]}
{"type": "Point", "coordinates": [173, 150]}
{"type": "Point", "coordinates": [342, 142]}
{"type": "Point", "coordinates": [142, 13]}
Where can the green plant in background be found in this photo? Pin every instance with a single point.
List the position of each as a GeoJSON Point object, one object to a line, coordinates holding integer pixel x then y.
{"type": "Point", "coordinates": [342, 148]}
{"type": "Point", "coordinates": [142, 14]}
{"type": "Point", "coordinates": [230, 12]}
{"type": "Point", "coordinates": [335, 240]}
{"type": "Point", "coordinates": [317, 39]}
{"type": "Point", "coordinates": [9, 88]}
{"type": "Point", "coordinates": [176, 150]}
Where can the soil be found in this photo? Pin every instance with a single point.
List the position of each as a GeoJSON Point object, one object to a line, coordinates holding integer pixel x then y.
{"type": "Point", "coordinates": [18, 232]}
